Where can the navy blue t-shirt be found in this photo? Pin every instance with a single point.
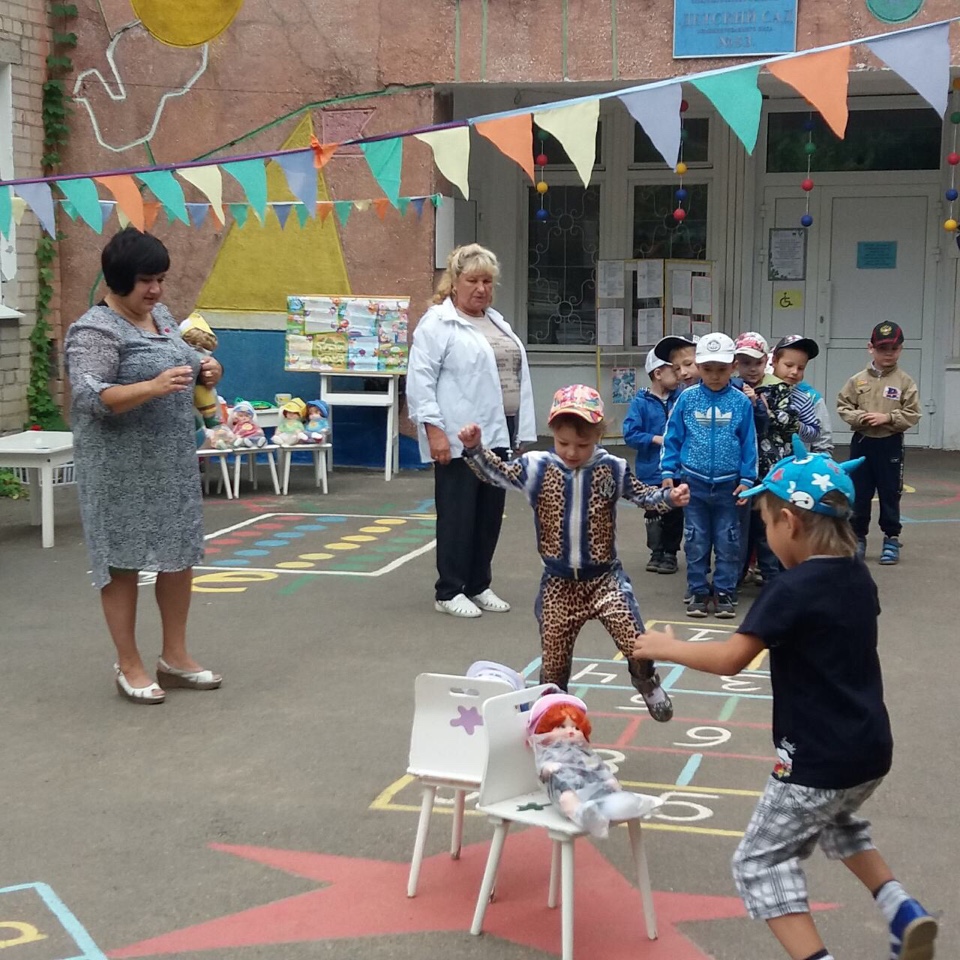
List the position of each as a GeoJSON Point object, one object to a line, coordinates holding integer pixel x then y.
{"type": "Point", "coordinates": [819, 621]}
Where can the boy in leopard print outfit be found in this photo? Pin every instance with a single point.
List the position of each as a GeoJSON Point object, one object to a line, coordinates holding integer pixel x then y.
{"type": "Point", "coordinates": [574, 490]}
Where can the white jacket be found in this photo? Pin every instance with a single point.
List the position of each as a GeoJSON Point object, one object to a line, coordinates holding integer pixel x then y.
{"type": "Point", "coordinates": [452, 380]}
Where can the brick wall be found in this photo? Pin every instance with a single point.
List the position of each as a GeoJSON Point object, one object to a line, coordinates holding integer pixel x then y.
{"type": "Point", "coordinates": [24, 41]}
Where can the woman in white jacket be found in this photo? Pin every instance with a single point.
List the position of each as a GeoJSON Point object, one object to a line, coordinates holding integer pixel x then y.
{"type": "Point", "coordinates": [467, 366]}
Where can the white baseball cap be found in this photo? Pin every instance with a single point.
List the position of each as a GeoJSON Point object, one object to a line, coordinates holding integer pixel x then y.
{"type": "Point", "coordinates": [653, 361]}
{"type": "Point", "coordinates": [715, 348]}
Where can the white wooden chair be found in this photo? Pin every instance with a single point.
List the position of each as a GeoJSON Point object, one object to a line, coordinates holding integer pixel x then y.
{"type": "Point", "coordinates": [447, 749]}
{"type": "Point", "coordinates": [322, 452]}
{"type": "Point", "coordinates": [511, 792]}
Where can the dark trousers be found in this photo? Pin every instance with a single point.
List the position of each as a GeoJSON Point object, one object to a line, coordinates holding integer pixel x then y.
{"type": "Point", "coordinates": [880, 473]}
{"type": "Point", "coordinates": [469, 515]}
{"type": "Point", "coordinates": [753, 537]}
{"type": "Point", "coordinates": [664, 531]}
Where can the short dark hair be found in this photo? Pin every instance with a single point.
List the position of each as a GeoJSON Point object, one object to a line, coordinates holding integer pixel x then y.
{"type": "Point", "coordinates": [131, 254]}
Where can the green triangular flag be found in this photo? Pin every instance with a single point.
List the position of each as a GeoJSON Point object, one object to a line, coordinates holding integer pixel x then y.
{"type": "Point", "coordinates": [82, 197]}
{"type": "Point", "coordinates": [69, 209]}
{"type": "Point", "coordinates": [385, 158]}
{"type": "Point", "coordinates": [402, 205]}
{"type": "Point", "coordinates": [737, 99]}
{"type": "Point", "coordinates": [303, 214]}
{"type": "Point", "coordinates": [343, 208]}
{"type": "Point", "coordinates": [252, 176]}
{"type": "Point", "coordinates": [170, 194]}
{"type": "Point", "coordinates": [437, 201]}
{"type": "Point", "coordinates": [239, 212]}
{"type": "Point", "coordinates": [6, 210]}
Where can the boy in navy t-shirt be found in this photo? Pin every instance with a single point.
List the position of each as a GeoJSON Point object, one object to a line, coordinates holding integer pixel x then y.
{"type": "Point", "coordinates": [830, 726]}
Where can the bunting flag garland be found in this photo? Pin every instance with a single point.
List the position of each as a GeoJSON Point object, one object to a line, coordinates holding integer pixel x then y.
{"type": "Point", "coordinates": [322, 152]}
{"type": "Point", "coordinates": [165, 188]}
{"type": "Point", "coordinates": [343, 208]}
{"type": "Point", "coordinates": [38, 197]}
{"type": "Point", "coordinates": [403, 206]}
{"type": "Point", "coordinates": [198, 213]}
{"type": "Point", "coordinates": [252, 177]}
{"type": "Point", "coordinates": [658, 112]}
{"type": "Point", "coordinates": [106, 210]}
{"type": "Point", "coordinates": [417, 204]}
{"type": "Point", "coordinates": [324, 209]}
{"type": "Point", "coordinates": [82, 196]}
{"type": "Point", "coordinates": [6, 210]}
{"type": "Point", "coordinates": [821, 78]}
{"type": "Point", "coordinates": [69, 209]}
{"type": "Point", "coordinates": [576, 131]}
{"type": "Point", "coordinates": [451, 154]}
{"type": "Point", "coordinates": [301, 174]}
{"type": "Point", "coordinates": [737, 98]}
{"type": "Point", "coordinates": [922, 59]}
{"type": "Point", "coordinates": [239, 213]}
{"type": "Point", "coordinates": [127, 194]}
{"type": "Point", "coordinates": [282, 211]}
{"type": "Point", "coordinates": [385, 158]}
{"type": "Point", "coordinates": [209, 181]}
{"type": "Point", "coordinates": [303, 214]}
{"type": "Point", "coordinates": [513, 137]}
{"type": "Point", "coordinates": [18, 207]}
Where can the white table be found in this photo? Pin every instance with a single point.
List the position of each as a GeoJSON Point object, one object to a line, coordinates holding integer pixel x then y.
{"type": "Point", "coordinates": [39, 451]}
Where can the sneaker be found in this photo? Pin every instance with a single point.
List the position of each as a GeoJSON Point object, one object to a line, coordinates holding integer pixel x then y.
{"type": "Point", "coordinates": [459, 606]}
{"type": "Point", "coordinates": [668, 563]}
{"type": "Point", "coordinates": [861, 547]}
{"type": "Point", "coordinates": [653, 564]}
{"type": "Point", "coordinates": [655, 697]}
{"type": "Point", "coordinates": [489, 601]}
{"type": "Point", "coordinates": [725, 605]}
{"type": "Point", "coordinates": [697, 606]}
{"type": "Point", "coordinates": [890, 554]}
{"type": "Point", "coordinates": [912, 933]}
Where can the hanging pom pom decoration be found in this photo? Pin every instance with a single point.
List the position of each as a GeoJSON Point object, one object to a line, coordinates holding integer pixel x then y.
{"type": "Point", "coordinates": [953, 158]}
{"type": "Point", "coordinates": [541, 160]}
{"type": "Point", "coordinates": [806, 185]}
{"type": "Point", "coordinates": [679, 213]}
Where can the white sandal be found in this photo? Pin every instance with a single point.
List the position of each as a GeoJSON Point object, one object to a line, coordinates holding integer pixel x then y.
{"type": "Point", "coordinates": [168, 676]}
{"type": "Point", "coordinates": [459, 606]}
{"type": "Point", "coordinates": [151, 693]}
{"type": "Point", "coordinates": [489, 601]}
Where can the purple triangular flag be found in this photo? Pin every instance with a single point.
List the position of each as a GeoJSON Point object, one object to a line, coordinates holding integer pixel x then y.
{"type": "Point", "coordinates": [658, 112]}
{"type": "Point", "coordinates": [198, 213]}
{"type": "Point", "coordinates": [922, 58]}
{"type": "Point", "coordinates": [40, 200]}
{"type": "Point", "coordinates": [301, 177]}
{"type": "Point", "coordinates": [106, 208]}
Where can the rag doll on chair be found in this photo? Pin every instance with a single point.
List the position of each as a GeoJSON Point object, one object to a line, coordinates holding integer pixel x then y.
{"type": "Point", "coordinates": [290, 430]}
{"type": "Point", "coordinates": [578, 780]}
{"type": "Point", "coordinates": [246, 429]}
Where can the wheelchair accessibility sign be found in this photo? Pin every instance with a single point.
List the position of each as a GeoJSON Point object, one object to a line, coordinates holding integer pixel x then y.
{"type": "Point", "coordinates": [35, 924]}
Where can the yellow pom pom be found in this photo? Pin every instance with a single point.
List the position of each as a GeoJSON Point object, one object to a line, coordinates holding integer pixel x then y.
{"type": "Point", "coordinates": [950, 225]}
{"type": "Point", "coordinates": [542, 187]}
{"type": "Point", "coordinates": [681, 168]}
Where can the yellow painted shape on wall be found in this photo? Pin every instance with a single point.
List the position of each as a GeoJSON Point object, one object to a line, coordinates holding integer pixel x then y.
{"type": "Point", "coordinates": [259, 266]}
{"type": "Point", "coordinates": [186, 23]}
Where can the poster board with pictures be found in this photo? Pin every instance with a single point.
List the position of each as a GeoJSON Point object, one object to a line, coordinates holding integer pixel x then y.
{"type": "Point", "coordinates": [346, 334]}
{"type": "Point", "coordinates": [690, 301]}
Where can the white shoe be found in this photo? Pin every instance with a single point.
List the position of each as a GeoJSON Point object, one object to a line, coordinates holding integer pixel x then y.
{"type": "Point", "coordinates": [489, 601]}
{"type": "Point", "coordinates": [459, 606]}
{"type": "Point", "coordinates": [151, 693]}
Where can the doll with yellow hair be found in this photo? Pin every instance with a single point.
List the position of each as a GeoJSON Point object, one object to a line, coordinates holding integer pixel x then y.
{"type": "Point", "coordinates": [290, 430]}
{"type": "Point", "coordinates": [578, 780]}
{"type": "Point", "coordinates": [196, 332]}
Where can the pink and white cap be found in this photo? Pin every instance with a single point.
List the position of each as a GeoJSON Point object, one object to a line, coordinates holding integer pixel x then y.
{"type": "Point", "coordinates": [578, 399]}
{"type": "Point", "coordinates": [547, 701]}
{"type": "Point", "coordinates": [752, 345]}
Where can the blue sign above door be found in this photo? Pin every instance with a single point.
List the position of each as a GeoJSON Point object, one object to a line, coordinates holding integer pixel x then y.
{"type": "Point", "coordinates": [734, 28]}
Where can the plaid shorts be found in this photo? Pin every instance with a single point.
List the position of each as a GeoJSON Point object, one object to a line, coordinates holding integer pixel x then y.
{"type": "Point", "coordinates": [787, 824]}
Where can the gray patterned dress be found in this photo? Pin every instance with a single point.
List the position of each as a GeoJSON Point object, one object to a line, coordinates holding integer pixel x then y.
{"type": "Point", "coordinates": [137, 473]}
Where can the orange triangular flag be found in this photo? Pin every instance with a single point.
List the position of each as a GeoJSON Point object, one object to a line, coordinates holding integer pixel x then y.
{"type": "Point", "coordinates": [151, 210]}
{"type": "Point", "coordinates": [380, 205]}
{"type": "Point", "coordinates": [513, 137]}
{"type": "Point", "coordinates": [821, 79]}
{"type": "Point", "coordinates": [324, 209]}
{"type": "Point", "coordinates": [322, 152]}
{"type": "Point", "coordinates": [127, 194]}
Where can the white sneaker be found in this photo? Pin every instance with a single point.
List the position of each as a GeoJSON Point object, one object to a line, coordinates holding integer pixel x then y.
{"type": "Point", "coordinates": [459, 606]}
{"type": "Point", "coordinates": [489, 601]}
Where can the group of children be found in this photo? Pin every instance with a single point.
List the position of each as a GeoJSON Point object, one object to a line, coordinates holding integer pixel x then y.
{"type": "Point", "coordinates": [721, 413]}
{"type": "Point", "coordinates": [703, 449]}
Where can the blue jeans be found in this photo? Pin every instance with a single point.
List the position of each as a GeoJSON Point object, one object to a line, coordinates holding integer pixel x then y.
{"type": "Point", "coordinates": [754, 536]}
{"type": "Point", "coordinates": [712, 523]}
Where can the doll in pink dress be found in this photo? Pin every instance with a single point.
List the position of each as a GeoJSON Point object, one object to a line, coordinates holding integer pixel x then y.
{"type": "Point", "coordinates": [243, 423]}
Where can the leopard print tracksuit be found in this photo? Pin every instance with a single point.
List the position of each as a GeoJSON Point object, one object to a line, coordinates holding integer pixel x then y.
{"type": "Point", "coordinates": [575, 512]}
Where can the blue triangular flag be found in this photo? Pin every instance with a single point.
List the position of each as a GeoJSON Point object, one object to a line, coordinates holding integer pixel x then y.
{"type": "Point", "coordinates": [198, 213]}
{"type": "Point", "coordinates": [40, 200]}
{"type": "Point", "coordinates": [301, 177]}
{"type": "Point", "coordinates": [282, 210]}
{"type": "Point", "coordinates": [417, 204]}
{"type": "Point", "coordinates": [106, 210]}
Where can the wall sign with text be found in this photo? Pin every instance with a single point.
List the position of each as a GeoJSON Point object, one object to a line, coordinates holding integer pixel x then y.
{"type": "Point", "coordinates": [734, 28]}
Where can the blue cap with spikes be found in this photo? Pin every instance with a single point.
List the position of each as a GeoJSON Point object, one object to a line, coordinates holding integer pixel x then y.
{"type": "Point", "coordinates": [805, 478]}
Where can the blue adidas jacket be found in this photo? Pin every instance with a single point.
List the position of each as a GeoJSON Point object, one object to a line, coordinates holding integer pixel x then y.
{"type": "Point", "coordinates": [646, 419]}
{"type": "Point", "coordinates": [711, 436]}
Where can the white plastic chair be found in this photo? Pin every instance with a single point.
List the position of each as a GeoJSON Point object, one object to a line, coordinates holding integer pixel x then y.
{"type": "Point", "coordinates": [221, 455]}
{"type": "Point", "coordinates": [447, 749]}
{"type": "Point", "coordinates": [511, 791]}
{"type": "Point", "coordinates": [251, 454]}
{"type": "Point", "coordinates": [321, 462]}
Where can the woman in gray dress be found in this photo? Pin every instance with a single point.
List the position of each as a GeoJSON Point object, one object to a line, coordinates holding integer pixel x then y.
{"type": "Point", "coordinates": [132, 378]}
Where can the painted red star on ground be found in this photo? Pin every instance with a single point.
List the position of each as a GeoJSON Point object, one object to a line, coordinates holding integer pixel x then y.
{"type": "Point", "coordinates": [367, 898]}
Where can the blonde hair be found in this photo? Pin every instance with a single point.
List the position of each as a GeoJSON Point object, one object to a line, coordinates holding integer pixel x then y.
{"type": "Point", "coordinates": [829, 536]}
{"type": "Point", "coordinates": [469, 259]}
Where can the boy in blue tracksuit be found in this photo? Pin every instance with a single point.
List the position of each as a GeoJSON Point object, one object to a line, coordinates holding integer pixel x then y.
{"type": "Point", "coordinates": [643, 429]}
{"type": "Point", "coordinates": [711, 443]}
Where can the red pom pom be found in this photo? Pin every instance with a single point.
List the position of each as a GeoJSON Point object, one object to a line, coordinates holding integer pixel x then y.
{"type": "Point", "coordinates": [953, 159]}
{"type": "Point", "coordinates": [807, 185]}
{"type": "Point", "coordinates": [684, 106]}
{"type": "Point", "coordinates": [541, 160]}
{"type": "Point", "coordinates": [679, 214]}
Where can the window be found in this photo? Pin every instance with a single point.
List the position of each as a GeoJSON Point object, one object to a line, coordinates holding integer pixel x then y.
{"type": "Point", "coordinates": [696, 143]}
{"type": "Point", "coordinates": [875, 140]}
{"type": "Point", "coordinates": [656, 235]}
{"type": "Point", "coordinates": [562, 260]}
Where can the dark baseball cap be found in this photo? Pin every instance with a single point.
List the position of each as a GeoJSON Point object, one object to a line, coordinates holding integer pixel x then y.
{"type": "Point", "coordinates": [796, 342]}
{"type": "Point", "coordinates": [886, 332]}
{"type": "Point", "coordinates": [667, 345]}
